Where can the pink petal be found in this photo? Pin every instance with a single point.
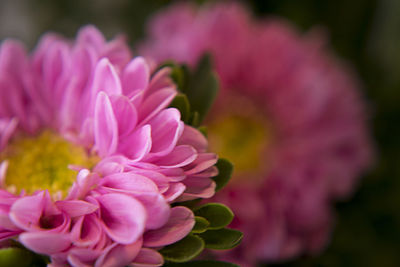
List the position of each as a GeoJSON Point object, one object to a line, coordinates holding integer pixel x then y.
{"type": "Point", "coordinates": [75, 208]}
{"type": "Point", "coordinates": [198, 188]}
{"type": "Point", "coordinates": [44, 242]}
{"type": "Point", "coordinates": [157, 208]}
{"type": "Point", "coordinates": [161, 79]}
{"type": "Point", "coordinates": [119, 255]}
{"type": "Point", "coordinates": [110, 165]}
{"type": "Point", "coordinates": [118, 52]}
{"type": "Point", "coordinates": [148, 258]}
{"type": "Point", "coordinates": [105, 126]}
{"type": "Point", "coordinates": [55, 64]}
{"type": "Point", "coordinates": [74, 261]}
{"type": "Point", "coordinates": [125, 114]}
{"type": "Point", "coordinates": [202, 163]}
{"type": "Point", "coordinates": [105, 79]}
{"type": "Point", "coordinates": [175, 175]}
{"type": "Point", "coordinates": [158, 178]}
{"type": "Point", "coordinates": [26, 211]}
{"type": "Point", "coordinates": [7, 234]}
{"type": "Point", "coordinates": [85, 180]}
{"type": "Point", "coordinates": [6, 223]}
{"type": "Point", "coordinates": [129, 182]}
{"type": "Point", "coordinates": [192, 136]}
{"type": "Point", "coordinates": [136, 76]}
{"type": "Point", "coordinates": [179, 225]}
{"type": "Point", "coordinates": [155, 103]}
{"type": "Point", "coordinates": [179, 157]}
{"type": "Point", "coordinates": [12, 56]}
{"type": "Point", "coordinates": [123, 217]}
{"type": "Point", "coordinates": [174, 191]}
{"type": "Point", "coordinates": [90, 35]}
{"type": "Point", "coordinates": [6, 131]}
{"type": "Point", "coordinates": [83, 256]}
{"type": "Point", "coordinates": [166, 129]}
{"type": "Point", "coordinates": [138, 144]}
{"type": "Point", "coordinates": [210, 172]}
{"type": "Point", "coordinates": [86, 231]}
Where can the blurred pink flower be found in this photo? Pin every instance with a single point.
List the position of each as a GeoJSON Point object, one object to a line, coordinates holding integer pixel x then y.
{"type": "Point", "coordinates": [91, 155]}
{"type": "Point", "coordinates": [290, 116]}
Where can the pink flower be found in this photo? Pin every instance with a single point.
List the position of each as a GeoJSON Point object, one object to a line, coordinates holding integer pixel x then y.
{"type": "Point", "coordinates": [290, 117]}
{"type": "Point", "coordinates": [91, 155]}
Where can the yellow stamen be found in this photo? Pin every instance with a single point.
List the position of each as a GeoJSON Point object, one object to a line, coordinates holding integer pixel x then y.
{"type": "Point", "coordinates": [243, 138]}
{"type": "Point", "coordinates": [42, 162]}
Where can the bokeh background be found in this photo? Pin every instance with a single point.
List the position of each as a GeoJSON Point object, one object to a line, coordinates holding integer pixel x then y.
{"type": "Point", "coordinates": [364, 32]}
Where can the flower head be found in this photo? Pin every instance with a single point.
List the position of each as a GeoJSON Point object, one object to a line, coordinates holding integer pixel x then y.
{"type": "Point", "coordinates": [91, 155]}
{"type": "Point", "coordinates": [290, 117]}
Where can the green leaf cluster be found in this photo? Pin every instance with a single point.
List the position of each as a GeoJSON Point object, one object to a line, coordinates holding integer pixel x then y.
{"type": "Point", "coordinates": [198, 90]}
{"type": "Point", "coordinates": [21, 257]}
{"type": "Point", "coordinates": [209, 232]}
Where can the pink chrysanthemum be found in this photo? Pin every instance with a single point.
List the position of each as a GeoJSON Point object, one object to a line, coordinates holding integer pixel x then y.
{"type": "Point", "coordinates": [290, 117]}
{"type": "Point", "coordinates": [91, 155]}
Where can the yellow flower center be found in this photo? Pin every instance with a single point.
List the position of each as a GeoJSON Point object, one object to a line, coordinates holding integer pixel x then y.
{"type": "Point", "coordinates": [243, 138]}
{"type": "Point", "coordinates": [42, 162]}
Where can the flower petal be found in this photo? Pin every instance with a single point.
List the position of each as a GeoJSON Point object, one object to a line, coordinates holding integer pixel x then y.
{"type": "Point", "coordinates": [26, 211]}
{"type": "Point", "coordinates": [138, 144]}
{"type": "Point", "coordinates": [192, 136]}
{"type": "Point", "coordinates": [86, 231]}
{"type": "Point", "coordinates": [125, 113]}
{"type": "Point", "coordinates": [75, 208]}
{"type": "Point", "coordinates": [44, 242]}
{"type": "Point", "coordinates": [155, 103]}
{"type": "Point", "coordinates": [179, 157]}
{"type": "Point", "coordinates": [105, 126]}
{"type": "Point", "coordinates": [129, 182]}
{"type": "Point", "coordinates": [135, 76]}
{"type": "Point", "coordinates": [179, 225]}
{"type": "Point", "coordinates": [148, 258]}
{"type": "Point", "coordinates": [90, 35]}
{"type": "Point", "coordinates": [122, 216]}
{"type": "Point", "coordinates": [119, 255]}
{"type": "Point", "coordinates": [105, 79]}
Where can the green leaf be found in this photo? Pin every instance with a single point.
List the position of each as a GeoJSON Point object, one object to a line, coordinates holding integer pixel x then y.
{"type": "Point", "coordinates": [201, 225]}
{"type": "Point", "coordinates": [194, 119]}
{"type": "Point", "coordinates": [222, 238]}
{"type": "Point", "coordinates": [202, 88]}
{"type": "Point", "coordinates": [218, 215]}
{"type": "Point", "coordinates": [203, 130]}
{"type": "Point", "coordinates": [225, 170]}
{"type": "Point", "coordinates": [205, 263]}
{"type": "Point", "coordinates": [11, 257]}
{"type": "Point", "coordinates": [181, 103]}
{"type": "Point", "coordinates": [189, 203]}
{"type": "Point", "coordinates": [184, 250]}
{"type": "Point", "coordinates": [178, 76]}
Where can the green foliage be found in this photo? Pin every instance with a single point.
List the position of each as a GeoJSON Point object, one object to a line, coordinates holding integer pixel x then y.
{"type": "Point", "coordinates": [11, 257]}
{"type": "Point", "coordinates": [216, 214]}
{"type": "Point", "coordinates": [201, 225]}
{"type": "Point", "coordinates": [222, 238]}
{"type": "Point", "coordinates": [184, 250]}
{"type": "Point", "coordinates": [198, 87]}
{"type": "Point", "coordinates": [181, 103]}
{"type": "Point", "coordinates": [225, 170]}
{"type": "Point", "coordinates": [20, 257]}
{"type": "Point", "coordinates": [201, 87]}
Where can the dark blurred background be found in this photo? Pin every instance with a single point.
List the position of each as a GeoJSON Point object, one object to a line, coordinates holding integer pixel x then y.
{"type": "Point", "coordinates": [364, 32]}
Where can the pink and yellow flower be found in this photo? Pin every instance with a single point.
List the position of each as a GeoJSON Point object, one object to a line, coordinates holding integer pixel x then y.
{"type": "Point", "coordinates": [91, 155]}
{"type": "Point", "coordinates": [290, 117]}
